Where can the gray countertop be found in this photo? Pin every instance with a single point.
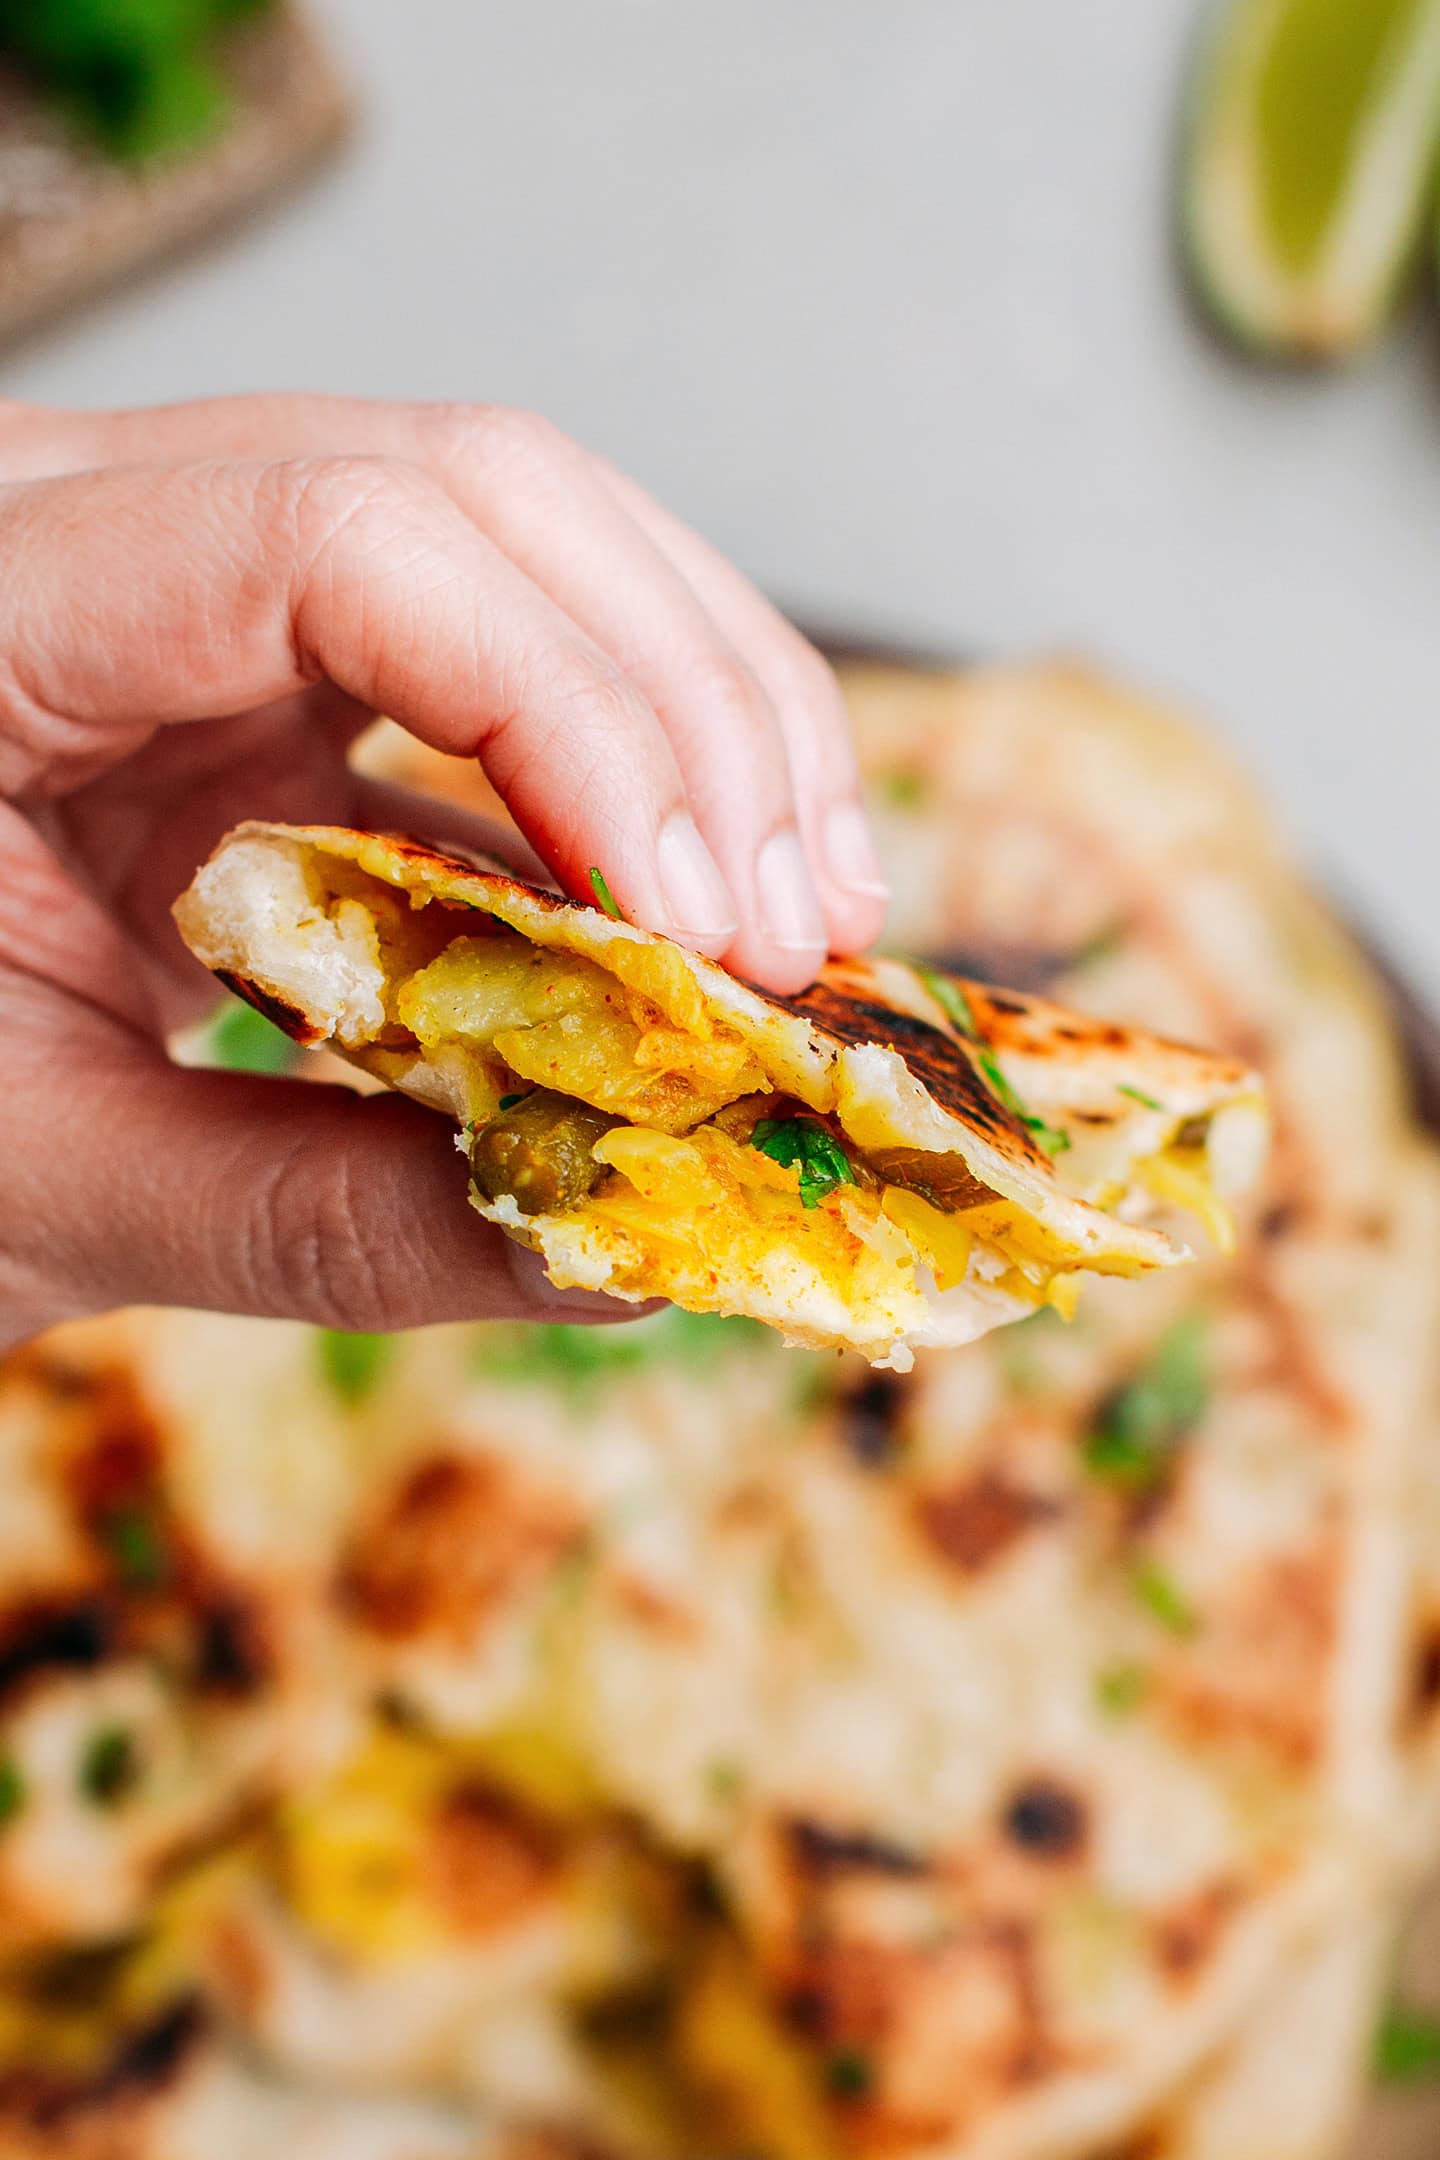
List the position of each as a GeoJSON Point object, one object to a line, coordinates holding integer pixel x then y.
{"type": "Point", "coordinates": [879, 294]}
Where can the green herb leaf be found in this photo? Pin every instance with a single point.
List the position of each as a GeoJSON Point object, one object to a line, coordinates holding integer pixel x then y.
{"type": "Point", "coordinates": [603, 893]}
{"type": "Point", "coordinates": [1049, 1137]}
{"type": "Point", "coordinates": [243, 1040]}
{"type": "Point", "coordinates": [109, 1766]}
{"type": "Point", "coordinates": [137, 1545]}
{"type": "Point", "coordinates": [508, 1102]}
{"type": "Point", "coordinates": [577, 1358]}
{"type": "Point", "coordinates": [808, 1148]}
{"type": "Point", "coordinates": [952, 1001]}
{"type": "Point", "coordinates": [849, 2074]}
{"type": "Point", "coordinates": [353, 1363]}
{"type": "Point", "coordinates": [725, 1779]}
{"type": "Point", "coordinates": [1121, 1689]}
{"type": "Point", "coordinates": [1148, 1102]}
{"type": "Point", "coordinates": [1103, 944]}
{"type": "Point", "coordinates": [1163, 1598]}
{"type": "Point", "coordinates": [1138, 1428]}
{"type": "Point", "coordinates": [1407, 2047]}
{"type": "Point", "coordinates": [905, 788]}
{"type": "Point", "coordinates": [12, 1788]}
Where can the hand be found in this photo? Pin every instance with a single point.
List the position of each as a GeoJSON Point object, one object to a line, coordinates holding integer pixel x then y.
{"type": "Point", "coordinates": [279, 570]}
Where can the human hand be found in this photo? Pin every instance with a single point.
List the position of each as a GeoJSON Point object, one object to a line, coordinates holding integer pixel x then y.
{"type": "Point", "coordinates": [280, 569]}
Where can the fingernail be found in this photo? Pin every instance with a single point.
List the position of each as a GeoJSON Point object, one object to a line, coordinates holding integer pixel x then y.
{"type": "Point", "coordinates": [789, 909]}
{"type": "Point", "coordinates": [696, 896]}
{"type": "Point", "coordinates": [850, 856]}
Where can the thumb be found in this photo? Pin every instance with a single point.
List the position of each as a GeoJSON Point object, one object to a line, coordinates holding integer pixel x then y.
{"type": "Point", "coordinates": [136, 1182]}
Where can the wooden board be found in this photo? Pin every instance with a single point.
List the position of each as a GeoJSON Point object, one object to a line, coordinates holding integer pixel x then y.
{"type": "Point", "coordinates": [72, 221]}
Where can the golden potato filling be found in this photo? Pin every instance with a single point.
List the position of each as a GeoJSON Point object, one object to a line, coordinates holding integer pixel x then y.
{"type": "Point", "coordinates": [615, 1095]}
{"type": "Point", "coordinates": [644, 1050]}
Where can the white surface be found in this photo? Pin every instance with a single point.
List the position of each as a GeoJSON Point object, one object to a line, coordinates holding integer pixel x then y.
{"type": "Point", "coordinates": [879, 294]}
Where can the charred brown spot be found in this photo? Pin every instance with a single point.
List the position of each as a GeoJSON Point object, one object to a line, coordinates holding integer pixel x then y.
{"type": "Point", "coordinates": [932, 1057]}
{"type": "Point", "coordinates": [972, 1525]}
{"type": "Point", "coordinates": [807, 2012]}
{"type": "Point", "coordinates": [232, 1656]}
{"type": "Point", "coordinates": [819, 1851]}
{"type": "Point", "coordinates": [286, 1017]}
{"type": "Point", "coordinates": [1185, 1937]}
{"type": "Point", "coordinates": [454, 1542]}
{"type": "Point", "coordinates": [870, 1420]}
{"type": "Point", "coordinates": [146, 2061]}
{"type": "Point", "coordinates": [490, 1861]}
{"type": "Point", "coordinates": [1022, 967]}
{"type": "Point", "coordinates": [1425, 1671]}
{"type": "Point", "coordinates": [61, 1636]}
{"type": "Point", "coordinates": [1151, 2143]}
{"type": "Point", "coordinates": [1048, 1821]}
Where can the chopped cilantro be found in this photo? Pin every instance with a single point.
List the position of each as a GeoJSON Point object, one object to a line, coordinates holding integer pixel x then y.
{"type": "Point", "coordinates": [136, 1543]}
{"type": "Point", "coordinates": [1015, 1349]}
{"type": "Point", "coordinates": [906, 787]}
{"type": "Point", "coordinates": [1407, 2047]}
{"type": "Point", "coordinates": [849, 2074]}
{"type": "Point", "coordinates": [109, 1766]}
{"type": "Point", "coordinates": [1050, 1137]}
{"type": "Point", "coordinates": [956, 1006]}
{"type": "Point", "coordinates": [352, 1363]}
{"type": "Point", "coordinates": [1120, 1689]}
{"type": "Point", "coordinates": [576, 1358]}
{"type": "Point", "coordinates": [508, 1102]}
{"type": "Point", "coordinates": [1102, 944]}
{"type": "Point", "coordinates": [815, 1153]}
{"type": "Point", "coordinates": [243, 1040]}
{"type": "Point", "coordinates": [951, 999]}
{"type": "Point", "coordinates": [1148, 1102]}
{"type": "Point", "coordinates": [726, 1779]}
{"type": "Point", "coordinates": [812, 1381]}
{"type": "Point", "coordinates": [1138, 1428]}
{"type": "Point", "coordinates": [603, 893]}
{"type": "Point", "coordinates": [1163, 1598]}
{"type": "Point", "coordinates": [12, 1788]}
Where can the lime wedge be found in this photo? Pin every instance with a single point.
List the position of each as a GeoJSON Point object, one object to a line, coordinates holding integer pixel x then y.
{"type": "Point", "coordinates": [1308, 160]}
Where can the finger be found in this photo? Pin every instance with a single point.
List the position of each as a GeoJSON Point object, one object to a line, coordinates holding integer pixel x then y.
{"type": "Point", "coordinates": [144, 596]}
{"type": "Point", "coordinates": [133, 1182]}
{"type": "Point", "coordinates": [807, 699]}
{"type": "Point", "coordinates": [771, 792]}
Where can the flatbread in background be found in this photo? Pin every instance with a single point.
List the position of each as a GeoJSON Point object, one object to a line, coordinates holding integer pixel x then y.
{"type": "Point", "coordinates": [893, 1157]}
{"type": "Point", "coordinates": [1283, 1678]}
{"type": "Point", "coordinates": [1022, 1750]}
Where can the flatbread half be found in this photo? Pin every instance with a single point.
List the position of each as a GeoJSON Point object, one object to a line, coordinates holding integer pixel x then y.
{"type": "Point", "coordinates": [894, 1157]}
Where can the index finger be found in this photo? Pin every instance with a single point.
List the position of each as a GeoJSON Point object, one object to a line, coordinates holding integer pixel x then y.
{"type": "Point", "coordinates": [143, 596]}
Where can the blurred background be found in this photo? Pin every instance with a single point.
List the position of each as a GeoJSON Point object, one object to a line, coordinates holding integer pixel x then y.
{"type": "Point", "coordinates": [884, 299]}
{"type": "Point", "coordinates": [511, 1744]}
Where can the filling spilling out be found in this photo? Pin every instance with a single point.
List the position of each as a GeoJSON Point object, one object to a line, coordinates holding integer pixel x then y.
{"type": "Point", "coordinates": [615, 1097]}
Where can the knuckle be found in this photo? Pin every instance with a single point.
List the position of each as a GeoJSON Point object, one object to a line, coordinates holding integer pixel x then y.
{"type": "Point", "coordinates": [512, 435]}
{"type": "Point", "coordinates": [724, 682]}
{"type": "Point", "coordinates": [304, 1257]}
{"type": "Point", "coordinates": [602, 705]}
{"type": "Point", "coordinates": [324, 498]}
{"type": "Point", "coordinates": [811, 679]}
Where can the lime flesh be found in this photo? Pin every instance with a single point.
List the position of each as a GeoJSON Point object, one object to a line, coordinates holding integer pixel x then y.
{"type": "Point", "coordinates": [1323, 74]}
{"type": "Point", "coordinates": [1312, 144]}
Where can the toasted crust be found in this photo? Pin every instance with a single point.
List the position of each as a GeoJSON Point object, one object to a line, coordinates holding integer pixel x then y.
{"type": "Point", "coordinates": [874, 1040]}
